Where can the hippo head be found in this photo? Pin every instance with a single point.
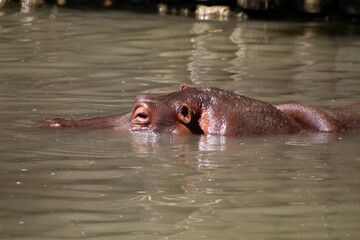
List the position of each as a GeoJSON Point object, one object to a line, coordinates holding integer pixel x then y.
{"type": "Point", "coordinates": [177, 113]}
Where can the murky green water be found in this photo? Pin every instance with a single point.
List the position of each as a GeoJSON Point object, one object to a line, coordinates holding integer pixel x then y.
{"type": "Point", "coordinates": [68, 184]}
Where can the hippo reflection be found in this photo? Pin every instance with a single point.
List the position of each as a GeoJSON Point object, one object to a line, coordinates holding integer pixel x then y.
{"type": "Point", "coordinates": [215, 111]}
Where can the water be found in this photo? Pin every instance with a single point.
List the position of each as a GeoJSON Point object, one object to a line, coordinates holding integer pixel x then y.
{"type": "Point", "coordinates": [68, 184]}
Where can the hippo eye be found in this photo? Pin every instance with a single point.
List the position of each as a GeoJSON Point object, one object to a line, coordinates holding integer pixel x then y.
{"type": "Point", "coordinates": [141, 116]}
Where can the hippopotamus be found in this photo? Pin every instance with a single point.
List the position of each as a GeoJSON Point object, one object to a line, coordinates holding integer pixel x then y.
{"type": "Point", "coordinates": [209, 110]}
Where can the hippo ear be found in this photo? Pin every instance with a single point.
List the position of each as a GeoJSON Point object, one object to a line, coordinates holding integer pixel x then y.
{"type": "Point", "coordinates": [185, 114]}
{"type": "Point", "coordinates": [184, 86]}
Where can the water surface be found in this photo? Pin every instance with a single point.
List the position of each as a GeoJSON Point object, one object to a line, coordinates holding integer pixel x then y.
{"type": "Point", "coordinates": [103, 184]}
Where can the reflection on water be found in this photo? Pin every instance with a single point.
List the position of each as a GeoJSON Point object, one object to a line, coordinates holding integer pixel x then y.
{"type": "Point", "coordinates": [103, 184]}
{"type": "Point", "coordinates": [305, 61]}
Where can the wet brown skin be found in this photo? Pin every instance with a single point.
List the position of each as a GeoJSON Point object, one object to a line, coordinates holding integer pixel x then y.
{"type": "Point", "coordinates": [218, 112]}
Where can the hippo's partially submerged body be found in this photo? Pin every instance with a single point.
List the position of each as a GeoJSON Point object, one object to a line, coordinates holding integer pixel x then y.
{"type": "Point", "coordinates": [218, 112]}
